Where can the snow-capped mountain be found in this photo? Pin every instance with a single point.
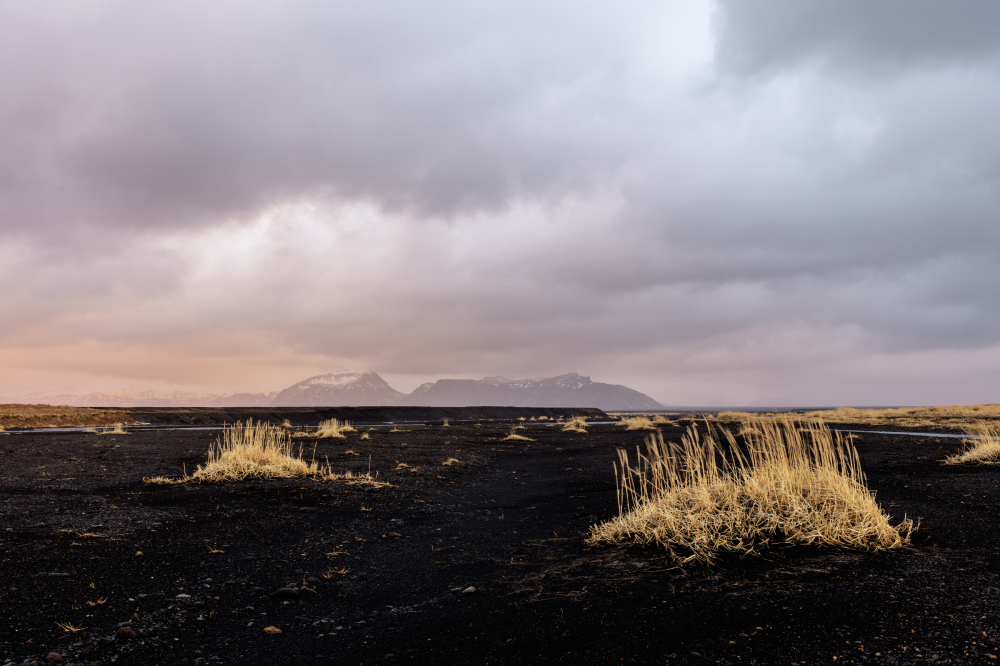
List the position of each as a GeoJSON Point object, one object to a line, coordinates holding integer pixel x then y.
{"type": "Point", "coordinates": [355, 389]}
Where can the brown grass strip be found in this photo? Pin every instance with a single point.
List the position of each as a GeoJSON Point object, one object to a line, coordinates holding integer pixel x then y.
{"type": "Point", "coordinates": [789, 483]}
{"type": "Point", "coordinates": [36, 416]}
{"type": "Point", "coordinates": [957, 417]}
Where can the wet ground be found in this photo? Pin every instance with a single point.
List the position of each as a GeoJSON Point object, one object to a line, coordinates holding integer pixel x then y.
{"type": "Point", "coordinates": [381, 576]}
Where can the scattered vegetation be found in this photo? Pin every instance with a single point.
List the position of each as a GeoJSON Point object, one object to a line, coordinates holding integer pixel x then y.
{"type": "Point", "coordinates": [575, 424]}
{"type": "Point", "coordinates": [790, 483]}
{"type": "Point", "coordinates": [261, 451]}
{"type": "Point", "coordinates": [451, 461]}
{"type": "Point", "coordinates": [364, 435]}
{"type": "Point", "coordinates": [957, 417]}
{"type": "Point", "coordinates": [982, 447]}
{"type": "Point", "coordinates": [637, 423]}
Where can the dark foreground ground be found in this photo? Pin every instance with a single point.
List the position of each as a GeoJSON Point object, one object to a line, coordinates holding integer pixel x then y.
{"type": "Point", "coordinates": [192, 569]}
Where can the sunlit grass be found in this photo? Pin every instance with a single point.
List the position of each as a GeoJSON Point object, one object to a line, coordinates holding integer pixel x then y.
{"type": "Point", "coordinates": [786, 483]}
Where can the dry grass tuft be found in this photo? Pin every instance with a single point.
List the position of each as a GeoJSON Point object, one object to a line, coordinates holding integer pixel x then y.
{"type": "Point", "coordinates": [445, 424]}
{"type": "Point", "coordinates": [69, 628]}
{"type": "Point", "coordinates": [116, 429]}
{"type": "Point", "coordinates": [794, 484]}
{"type": "Point", "coordinates": [261, 451]}
{"type": "Point", "coordinates": [364, 435]}
{"type": "Point", "coordinates": [287, 425]}
{"type": "Point", "coordinates": [514, 437]}
{"type": "Point", "coordinates": [332, 429]}
{"type": "Point", "coordinates": [983, 447]}
{"type": "Point", "coordinates": [637, 423]}
{"type": "Point", "coordinates": [575, 424]}
{"type": "Point", "coordinates": [451, 461]}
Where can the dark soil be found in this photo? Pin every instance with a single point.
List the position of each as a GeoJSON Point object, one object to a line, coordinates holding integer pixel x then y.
{"type": "Point", "coordinates": [379, 570]}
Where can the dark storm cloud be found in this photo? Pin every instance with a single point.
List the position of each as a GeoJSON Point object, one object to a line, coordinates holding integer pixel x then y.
{"type": "Point", "coordinates": [881, 36]}
{"type": "Point", "coordinates": [212, 190]}
{"type": "Point", "coordinates": [134, 116]}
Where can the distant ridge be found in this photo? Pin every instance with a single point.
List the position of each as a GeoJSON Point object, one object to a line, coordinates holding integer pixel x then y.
{"type": "Point", "coordinates": [356, 389]}
{"type": "Point", "coordinates": [365, 388]}
{"type": "Point", "coordinates": [136, 396]}
{"type": "Point", "coordinates": [569, 390]}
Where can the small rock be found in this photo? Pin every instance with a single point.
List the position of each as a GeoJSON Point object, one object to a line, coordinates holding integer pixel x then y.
{"type": "Point", "coordinates": [272, 630]}
{"type": "Point", "coordinates": [302, 619]}
{"type": "Point", "coordinates": [455, 590]}
{"type": "Point", "coordinates": [395, 534]}
{"type": "Point", "coordinates": [54, 656]}
{"type": "Point", "coordinates": [469, 590]}
{"type": "Point", "coordinates": [183, 596]}
{"type": "Point", "coordinates": [125, 633]}
{"type": "Point", "coordinates": [285, 593]}
{"type": "Point", "coordinates": [312, 579]}
{"type": "Point", "coordinates": [338, 628]}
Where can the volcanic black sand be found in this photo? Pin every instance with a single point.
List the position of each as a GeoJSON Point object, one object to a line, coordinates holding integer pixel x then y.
{"type": "Point", "coordinates": [191, 570]}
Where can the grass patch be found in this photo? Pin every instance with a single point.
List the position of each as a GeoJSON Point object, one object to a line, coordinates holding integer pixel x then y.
{"type": "Point", "coordinates": [637, 423]}
{"type": "Point", "coordinates": [451, 461]}
{"type": "Point", "coordinates": [261, 451]}
{"type": "Point", "coordinates": [115, 429]}
{"type": "Point", "coordinates": [514, 437]}
{"type": "Point", "coordinates": [575, 424]}
{"type": "Point", "coordinates": [331, 429]}
{"type": "Point", "coordinates": [790, 483]}
{"type": "Point", "coordinates": [982, 448]}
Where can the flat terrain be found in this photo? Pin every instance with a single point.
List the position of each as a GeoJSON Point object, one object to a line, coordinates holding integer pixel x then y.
{"type": "Point", "coordinates": [84, 542]}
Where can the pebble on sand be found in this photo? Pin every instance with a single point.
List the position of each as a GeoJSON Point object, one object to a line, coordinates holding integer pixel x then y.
{"type": "Point", "coordinates": [272, 630]}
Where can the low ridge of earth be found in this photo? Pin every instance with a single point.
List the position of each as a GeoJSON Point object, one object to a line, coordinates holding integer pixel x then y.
{"type": "Point", "coordinates": [476, 562]}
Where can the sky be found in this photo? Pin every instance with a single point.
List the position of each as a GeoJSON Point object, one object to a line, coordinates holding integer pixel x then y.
{"type": "Point", "coordinates": [737, 202]}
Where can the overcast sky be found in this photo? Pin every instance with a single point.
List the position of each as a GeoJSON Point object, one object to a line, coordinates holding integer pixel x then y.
{"type": "Point", "coordinates": [788, 202]}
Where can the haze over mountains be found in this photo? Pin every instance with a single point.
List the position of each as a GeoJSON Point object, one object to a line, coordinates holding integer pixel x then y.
{"type": "Point", "coordinates": [368, 389]}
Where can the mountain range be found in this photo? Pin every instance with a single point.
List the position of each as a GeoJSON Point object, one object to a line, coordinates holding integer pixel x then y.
{"type": "Point", "coordinates": [367, 388]}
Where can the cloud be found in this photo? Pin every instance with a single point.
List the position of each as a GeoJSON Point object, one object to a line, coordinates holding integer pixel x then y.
{"type": "Point", "coordinates": [731, 202]}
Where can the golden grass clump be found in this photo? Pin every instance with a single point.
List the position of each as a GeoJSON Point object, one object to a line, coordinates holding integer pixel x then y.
{"type": "Point", "coordinates": [445, 424]}
{"type": "Point", "coordinates": [261, 451]}
{"type": "Point", "coordinates": [982, 447]}
{"type": "Point", "coordinates": [451, 461]}
{"type": "Point", "coordinates": [575, 424]}
{"type": "Point", "coordinates": [364, 435]}
{"type": "Point", "coordinates": [116, 429]}
{"type": "Point", "coordinates": [514, 437]}
{"type": "Point", "coordinates": [790, 483]}
{"type": "Point", "coordinates": [332, 429]}
{"type": "Point", "coordinates": [637, 423]}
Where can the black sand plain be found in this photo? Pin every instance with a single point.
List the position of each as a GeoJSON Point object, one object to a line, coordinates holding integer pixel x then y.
{"type": "Point", "coordinates": [192, 570]}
